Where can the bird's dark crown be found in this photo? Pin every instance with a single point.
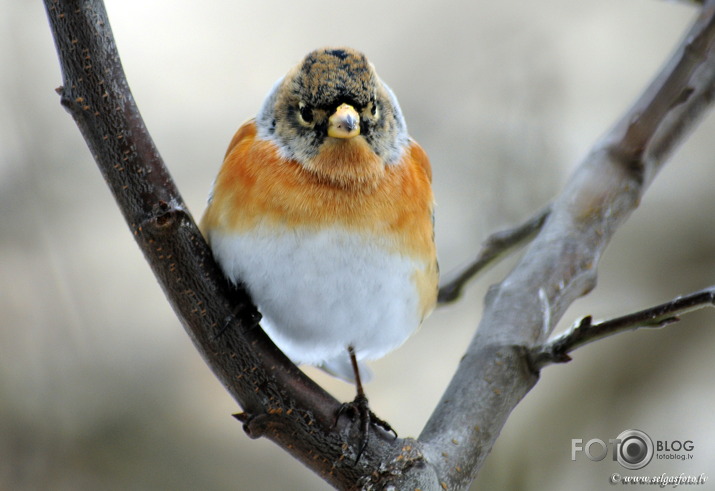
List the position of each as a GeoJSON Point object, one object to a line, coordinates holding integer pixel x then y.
{"type": "Point", "coordinates": [330, 76]}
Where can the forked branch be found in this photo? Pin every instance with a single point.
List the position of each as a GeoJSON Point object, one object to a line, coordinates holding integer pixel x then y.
{"type": "Point", "coordinates": [560, 264]}
{"type": "Point", "coordinates": [279, 401]}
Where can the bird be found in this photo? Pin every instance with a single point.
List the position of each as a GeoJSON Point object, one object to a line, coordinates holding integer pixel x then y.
{"type": "Point", "coordinates": [323, 209]}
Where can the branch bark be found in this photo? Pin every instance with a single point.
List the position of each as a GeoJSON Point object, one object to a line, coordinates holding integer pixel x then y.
{"type": "Point", "coordinates": [279, 401]}
{"type": "Point", "coordinates": [560, 264]}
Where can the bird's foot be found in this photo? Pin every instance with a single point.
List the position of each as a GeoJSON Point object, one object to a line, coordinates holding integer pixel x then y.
{"type": "Point", "coordinates": [360, 410]}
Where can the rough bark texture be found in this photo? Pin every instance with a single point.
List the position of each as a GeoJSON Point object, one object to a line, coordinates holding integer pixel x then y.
{"type": "Point", "coordinates": [279, 401]}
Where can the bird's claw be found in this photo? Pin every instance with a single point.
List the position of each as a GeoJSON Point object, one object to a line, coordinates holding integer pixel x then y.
{"type": "Point", "coordinates": [359, 408]}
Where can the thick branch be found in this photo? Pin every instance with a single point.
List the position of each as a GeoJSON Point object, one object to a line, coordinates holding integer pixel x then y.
{"type": "Point", "coordinates": [279, 401]}
{"type": "Point", "coordinates": [585, 331]}
{"type": "Point", "coordinates": [560, 264]}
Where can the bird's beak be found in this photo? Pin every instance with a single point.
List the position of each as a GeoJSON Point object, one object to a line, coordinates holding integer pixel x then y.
{"type": "Point", "coordinates": [344, 123]}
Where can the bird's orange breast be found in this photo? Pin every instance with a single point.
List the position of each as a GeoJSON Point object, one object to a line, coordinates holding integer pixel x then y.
{"type": "Point", "coordinates": [344, 186]}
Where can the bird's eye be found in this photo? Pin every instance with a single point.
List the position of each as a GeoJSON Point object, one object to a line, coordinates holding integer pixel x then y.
{"type": "Point", "coordinates": [306, 113]}
{"type": "Point", "coordinates": [373, 109]}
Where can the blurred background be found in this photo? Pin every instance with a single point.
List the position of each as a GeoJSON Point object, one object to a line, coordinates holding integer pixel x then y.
{"type": "Point", "coordinates": [100, 388]}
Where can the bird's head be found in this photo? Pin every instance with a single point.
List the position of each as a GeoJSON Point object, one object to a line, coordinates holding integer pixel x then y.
{"type": "Point", "coordinates": [333, 97]}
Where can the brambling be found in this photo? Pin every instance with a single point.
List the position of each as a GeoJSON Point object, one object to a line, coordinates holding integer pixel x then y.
{"type": "Point", "coordinates": [323, 209]}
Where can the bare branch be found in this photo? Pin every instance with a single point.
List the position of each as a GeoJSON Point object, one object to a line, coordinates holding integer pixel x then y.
{"type": "Point", "coordinates": [279, 401]}
{"type": "Point", "coordinates": [585, 331]}
{"type": "Point", "coordinates": [560, 264]}
{"type": "Point", "coordinates": [494, 248]}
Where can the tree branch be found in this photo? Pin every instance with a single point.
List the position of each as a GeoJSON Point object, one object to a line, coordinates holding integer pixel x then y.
{"type": "Point", "coordinates": [560, 264]}
{"type": "Point", "coordinates": [279, 401]}
{"type": "Point", "coordinates": [493, 249]}
{"type": "Point", "coordinates": [585, 331]}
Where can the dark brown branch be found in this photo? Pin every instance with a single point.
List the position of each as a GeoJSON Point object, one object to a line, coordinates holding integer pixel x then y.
{"type": "Point", "coordinates": [279, 401]}
{"type": "Point", "coordinates": [585, 331]}
{"type": "Point", "coordinates": [494, 248]}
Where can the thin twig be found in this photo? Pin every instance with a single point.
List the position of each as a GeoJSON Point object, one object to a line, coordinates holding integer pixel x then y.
{"type": "Point", "coordinates": [493, 249]}
{"type": "Point", "coordinates": [585, 331]}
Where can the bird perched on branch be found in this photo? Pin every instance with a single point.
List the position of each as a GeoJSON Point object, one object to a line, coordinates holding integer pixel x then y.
{"type": "Point", "coordinates": [323, 210]}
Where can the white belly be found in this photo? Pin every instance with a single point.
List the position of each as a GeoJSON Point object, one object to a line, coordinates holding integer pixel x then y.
{"type": "Point", "coordinates": [320, 292]}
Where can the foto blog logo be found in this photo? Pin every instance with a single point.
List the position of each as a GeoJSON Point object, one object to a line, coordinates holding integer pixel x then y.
{"type": "Point", "coordinates": [633, 449]}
